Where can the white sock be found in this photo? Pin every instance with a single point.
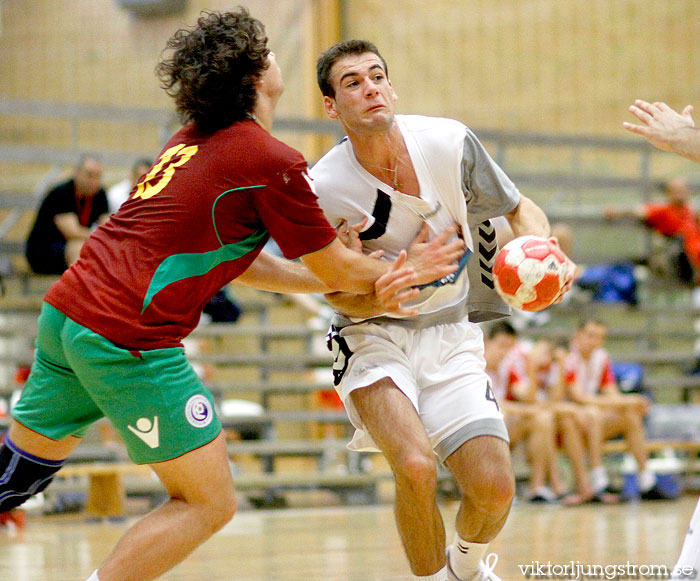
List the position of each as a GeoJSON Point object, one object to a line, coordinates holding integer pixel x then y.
{"type": "Point", "coordinates": [465, 556]}
{"type": "Point", "coordinates": [93, 577]}
{"type": "Point", "coordinates": [690, 553]}
{"type": "Point", "coordinates": [646, 479]}
{"type": "Point", "coordinates": [441, 575]}
{"type": "Point", "coordinates": [599, 479]}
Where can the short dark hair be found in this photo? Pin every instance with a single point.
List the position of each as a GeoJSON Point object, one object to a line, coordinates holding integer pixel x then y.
{"type": "Point", "coordinates": [336, 52]}
{"type": "Point", "coordinates": [214, 67]}
{"type": "Point", "coordinates": [501, 328]}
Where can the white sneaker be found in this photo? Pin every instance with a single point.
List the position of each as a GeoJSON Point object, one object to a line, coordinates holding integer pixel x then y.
{"type": "Point", "coordinates": [485, 572]}
{"type": "Point", "coordinates": [486, 568]}
{"type": "Point", "coordinates": [450, 573]}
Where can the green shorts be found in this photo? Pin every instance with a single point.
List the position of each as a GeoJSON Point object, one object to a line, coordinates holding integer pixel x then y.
{"type": "Point", "coordinates": [154, 398]}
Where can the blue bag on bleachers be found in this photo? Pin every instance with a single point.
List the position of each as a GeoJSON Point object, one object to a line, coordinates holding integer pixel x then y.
{"type": "Point", "coordinates": [629, 376]}
{"type": "Point", "coordinates": [612, 282]}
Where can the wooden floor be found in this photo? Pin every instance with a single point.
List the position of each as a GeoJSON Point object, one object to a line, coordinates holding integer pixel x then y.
{"type": "Point", "coordinates": [356, 543]}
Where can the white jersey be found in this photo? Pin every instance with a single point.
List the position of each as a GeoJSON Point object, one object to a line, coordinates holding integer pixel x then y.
{"type": "Point", "coordinates": [592, 374]}
{"type": "Point", "coordinates": [459, 182]}
{"type": "Point", "coordinates": [118, 194]}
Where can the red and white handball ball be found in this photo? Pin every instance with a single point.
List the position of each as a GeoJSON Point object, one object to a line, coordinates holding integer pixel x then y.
{"type": "Point", "coordinates": [530, 272]}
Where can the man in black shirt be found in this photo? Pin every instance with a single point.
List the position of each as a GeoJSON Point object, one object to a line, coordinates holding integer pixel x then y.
{"type": "Point", "coordinates": [65, 218]}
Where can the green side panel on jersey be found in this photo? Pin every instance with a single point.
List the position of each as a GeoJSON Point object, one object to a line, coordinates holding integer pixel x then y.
{"type": "Point", "coordinates": [181, 266]}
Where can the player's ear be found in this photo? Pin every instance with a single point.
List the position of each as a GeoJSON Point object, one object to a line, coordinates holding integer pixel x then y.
{"type": "Point", "coordinates": [329, 107]}
{"type": "Point", "coordinates": [394, 96]}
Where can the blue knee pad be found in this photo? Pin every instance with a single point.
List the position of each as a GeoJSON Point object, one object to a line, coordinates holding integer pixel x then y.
{"type": "Point", "coordinates": [22, 475]}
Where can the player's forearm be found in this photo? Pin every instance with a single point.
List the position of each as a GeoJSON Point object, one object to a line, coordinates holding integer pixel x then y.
{"type": "Point", "coordinates": [344, 270]}
{"type": "Point", "coordinates": [355, 306]}
{"type": "Point", "coordinates": [613, 212]}
{"type": "Point", "coordinates": [274, 274]}
{"type": "Point", "coordinates": [69, 226]}
{"type": "Point", "coordinates": [528, 218]}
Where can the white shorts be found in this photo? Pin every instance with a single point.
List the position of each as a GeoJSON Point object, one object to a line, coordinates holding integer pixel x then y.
{"type": "Point", "coordinates": [440, 369]}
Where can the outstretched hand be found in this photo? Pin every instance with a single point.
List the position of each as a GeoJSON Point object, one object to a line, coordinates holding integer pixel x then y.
{"type": "Point", "coordinates": [436, 258]}
{"type": "Point", "coordinates": [661, 123]}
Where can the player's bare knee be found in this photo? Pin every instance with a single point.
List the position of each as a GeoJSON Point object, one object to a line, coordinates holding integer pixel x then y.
{"type": "Point", "coordinates": [544, 420]}
{"type": "Point", "coordinates": [632, 417]}
{"type": "Point", "coordinates": [490, 483]}
{"type": "Point", "coordinates": [567, 422]}
{"type": "Point", "coordinates": [492, 491]}
{"type": "Point", "coordinates": [226, 511]}
{"type": "Point", "coordinates": [593, 415]}
{"type": "Point", "coordinates": [499, 486]}
{"type": "Point", "coordinates": [416, 470]}
{"type": "Point", "coordinates": [217, 511]}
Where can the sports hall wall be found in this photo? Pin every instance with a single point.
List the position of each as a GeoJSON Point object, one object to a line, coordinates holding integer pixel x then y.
{"type": "Point", "coordinates": [570, 66]}
{"type": "Point", "coordinates": [536, 65]}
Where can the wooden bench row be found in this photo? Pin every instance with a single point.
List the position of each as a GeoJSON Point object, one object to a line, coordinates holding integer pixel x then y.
{"type": "Point", "coordinates": [655, 446]}
{"type": "Point", "coordinates": [107, 485]}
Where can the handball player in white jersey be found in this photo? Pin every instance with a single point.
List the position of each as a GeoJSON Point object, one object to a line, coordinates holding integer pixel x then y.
{"type": "Point", "coordinates": [413, 382]}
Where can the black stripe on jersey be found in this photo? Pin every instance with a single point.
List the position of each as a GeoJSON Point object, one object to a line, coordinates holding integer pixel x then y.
{"type": "Point", "coordinates": [488, 246]}
{"type": "Point", "coordinates": [380, 213]}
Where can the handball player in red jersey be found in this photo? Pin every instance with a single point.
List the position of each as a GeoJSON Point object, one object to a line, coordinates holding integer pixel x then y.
{"type": "Point", "coordinates": [110, 329]}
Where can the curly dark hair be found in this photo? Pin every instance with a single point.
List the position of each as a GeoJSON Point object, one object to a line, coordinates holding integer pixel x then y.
{"type": "Point", "coordinates": [214, 67]}
{"type": "Point", "coordinates": [335, 53]}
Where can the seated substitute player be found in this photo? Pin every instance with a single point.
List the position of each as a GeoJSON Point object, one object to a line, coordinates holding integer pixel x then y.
{"type": "Point", "coordinates": [111, 328]}
{"type": "Point", "coordinates": [591, 382]}
{"type": "Point", "coordinates": [66, 217]}
{"type": "Point", "coordinates": [533, 422]}
{"type": "Point", "coordinates": [537, 376]}
{"type": "Point", "coordinates": [673, 218]}
{"type": "Point", "coordinates": [414, 388]}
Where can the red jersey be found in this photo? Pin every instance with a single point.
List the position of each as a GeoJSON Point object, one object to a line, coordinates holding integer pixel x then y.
{"type": "Point", "coordinates": [671, 220]}
{"type": "Point", "coordinates": [195, 222]}
{"type": "Point", "coordinates": [675, 221]}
